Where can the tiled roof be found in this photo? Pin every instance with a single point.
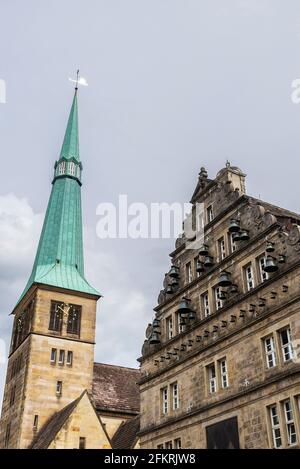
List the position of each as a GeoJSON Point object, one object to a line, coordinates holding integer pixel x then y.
{"type": "Point", "coordinates": [52, 426]}
{"type": "Point", "coordinates": [126, 435]}
{"type": "Point", "coordinates": [115, 388]}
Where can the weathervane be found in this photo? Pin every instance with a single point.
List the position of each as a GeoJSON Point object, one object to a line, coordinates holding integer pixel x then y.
{"type": "Point", "coordinates": [79, 81]}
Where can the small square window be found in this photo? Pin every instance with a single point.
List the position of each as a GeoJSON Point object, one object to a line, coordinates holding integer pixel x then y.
{"type": "Point", "coordinates": [61, 358]}
{"type": "Point", "coordinates": [59, 388]}
{"type": "Point", "coordinates": [53, 355]}
{"type": "Point", "coordinates": [69, 358]}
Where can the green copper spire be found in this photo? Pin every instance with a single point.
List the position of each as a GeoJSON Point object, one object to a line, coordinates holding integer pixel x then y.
{"type": "Point", "coordinates": [59, 258]}
{"type": "Point", "coordinates": [70, 147]}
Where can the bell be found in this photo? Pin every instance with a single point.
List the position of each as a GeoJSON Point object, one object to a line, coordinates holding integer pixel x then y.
{"type": "Point", "coordinates": [222, 295]}
{"type": "Point", "coordinates": [200, 267]}
{"type": "Point", "coordinates": [154, 339]}
{"type": "Point", "coordinates": [262, 302]}
{"type": "Point", "coordinates": [208, 262]}
{"type": "Point", "coordinates": [234, 288]}
{"type": "Point", "coordinates": [236, 236]}
{"type": "Point", "coordinates": [169, 290]}
{"type": "Point", "coordinates": [174, 282]}
{"type": "Point", "coordinates": [184, 308]}
{"type": "Point", "coordinates": [234, 225]}
{"type": "Point", "coordinates": [203, 250]}
{"type": "Point", "coordinates": [192, 315]}
{"type": "Point", "coordinates": [281, 259]}
{"type": "Point", "coordinates": [270, 265]}
{"type": "Point", "coordinates": [224, 279]}
{"type": "Point", "coordinates": [156, 323]}
{"type": "Point", "coordinates": [174, 272]}
{"type": "Point", "coordinates": [182, 321]}
{"type": "Point", "coordinates": [244, 235]}
{"type": "Point", "coordinates": [270, 247]}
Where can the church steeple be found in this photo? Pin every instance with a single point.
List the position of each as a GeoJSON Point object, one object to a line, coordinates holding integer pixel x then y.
{"type": "Point", "coordinates": [59, 259]}
{"type": "Point", "coordinates": [70, 147]}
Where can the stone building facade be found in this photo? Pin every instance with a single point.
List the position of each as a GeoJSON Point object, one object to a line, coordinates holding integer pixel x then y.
{"type": "Point", "coordinates": [220, 366]}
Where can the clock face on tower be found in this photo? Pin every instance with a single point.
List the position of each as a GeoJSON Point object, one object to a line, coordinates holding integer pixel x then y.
{"type": "Point", "coordinates": [65, 317]}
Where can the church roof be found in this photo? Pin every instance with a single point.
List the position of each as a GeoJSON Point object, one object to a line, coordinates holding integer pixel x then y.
{"type": "Point", "coordinates": [50, 429]}
{"type": "Point", "coordinates": [127, 434]}
{"type": "Point", "coordinates": [59, 259]}
{"type": "Point", "coordinates": [115, 388]}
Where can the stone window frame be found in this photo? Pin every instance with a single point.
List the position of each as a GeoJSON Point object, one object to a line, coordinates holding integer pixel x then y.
{"type": "Point", "coordinates": [223, 374]}
{"type": "Point", "coordinates": [246, 279]}
{"type": "Point", "coordinates": [282, 424]}
{"type": "Point", "coordinates": [169, 330]}
{"type": "Point", "coordinates": [274, 353]}
{"type": "Point", "coordinates": [164, 400]}
{"type": "Point", "coordinates": [218, 303]}
{"type": "Point", "coordinates": [209, 213]}
{"type": "Point", "coordinates": [53, 355]}
{"type": "Point", "coordinates": [205, 306]}
{"type": "Point", "coordinates": [188, 272]}
{"type": "Point", "coordinates": [261, 276]}
{"type": "Point", "coordinates": [211, 381]}
{"type": "Point", "coordinates": [232, 244]}
{"type": "Point", "coordinates": [289, 345]}
{"type": "Point", "coordinates": [221, 248]}
{"type": "Point", "coordinates": [174, 398]}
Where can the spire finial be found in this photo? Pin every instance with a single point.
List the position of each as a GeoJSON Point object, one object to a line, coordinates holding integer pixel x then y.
{"type": "Point", "coordinates": [77, 79]}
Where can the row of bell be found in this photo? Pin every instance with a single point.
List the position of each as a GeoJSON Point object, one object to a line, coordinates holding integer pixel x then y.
{"type": "Point", "coordinates": [239, 234]}
{"type": "Point", "coordinates": [185, 312]}
{"type": "Point", "coordinates": [155, 339]}
{"type": "Point", "coordinates": [271, 264]}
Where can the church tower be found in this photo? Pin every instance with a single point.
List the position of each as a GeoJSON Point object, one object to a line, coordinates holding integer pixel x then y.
{"type": "Point", "coordinates": [51, 354]}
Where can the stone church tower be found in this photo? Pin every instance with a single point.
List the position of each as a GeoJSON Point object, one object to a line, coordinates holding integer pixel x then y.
{"type": "Point", "coordinates": [51, 356]}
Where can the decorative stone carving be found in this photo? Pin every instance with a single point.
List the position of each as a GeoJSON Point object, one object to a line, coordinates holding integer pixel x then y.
{"type": "Point", "coordinates": [253, 217]}
{"type": "Point", "coordinates": [161, 297]}
{"type": "Point", "coordinates": [268, 219]}
{"type": "Point", "coordinates": [294, 237]}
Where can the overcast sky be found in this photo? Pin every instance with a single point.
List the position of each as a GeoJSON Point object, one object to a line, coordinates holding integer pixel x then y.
{"type": "Point", "coordinates": [173, 85]}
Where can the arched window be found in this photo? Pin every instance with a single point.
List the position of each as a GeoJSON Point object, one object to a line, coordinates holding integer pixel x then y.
{"type": "Point", "coordinates": [72, 168]}
{"type": "Point", "coordinates": [62, 168]}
